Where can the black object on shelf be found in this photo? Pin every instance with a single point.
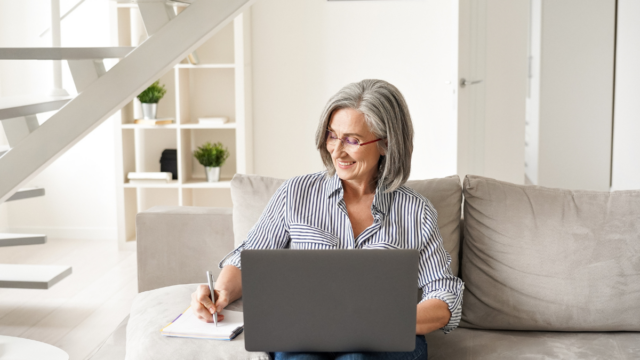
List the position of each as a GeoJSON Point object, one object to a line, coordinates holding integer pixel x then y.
{"type": "Point", "coordinates": [169, 162]}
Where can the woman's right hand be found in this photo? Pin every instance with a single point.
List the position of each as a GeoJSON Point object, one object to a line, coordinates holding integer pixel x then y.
{"type": "Point", "coordinates": [203, 307]}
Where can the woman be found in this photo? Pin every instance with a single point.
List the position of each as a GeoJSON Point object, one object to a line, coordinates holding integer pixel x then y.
{"type": "Point", "coordinates": [365, 139]}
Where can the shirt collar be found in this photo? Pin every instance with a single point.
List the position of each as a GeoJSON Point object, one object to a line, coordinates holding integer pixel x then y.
{"type": "Point", "coordinates": [381, 200]}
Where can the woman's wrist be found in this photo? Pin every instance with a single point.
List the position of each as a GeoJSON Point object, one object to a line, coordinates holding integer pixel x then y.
{"type": "Point", "coordinates": [230, 281]}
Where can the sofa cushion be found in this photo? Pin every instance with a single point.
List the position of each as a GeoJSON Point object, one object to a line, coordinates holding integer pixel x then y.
{"type": "Point", "coordinates": [445, 194]}
{"type": "Point", "coordinates": [536, 258]}
{"type": "Point", "coordinates": [251, 193]}
{"type": "Point", "coordinates": [153, 310]}
{"type": "Point", "coordinates": [527, 345]}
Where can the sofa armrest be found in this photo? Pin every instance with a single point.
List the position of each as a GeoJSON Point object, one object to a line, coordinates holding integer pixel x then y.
{"type": "Point", "coordinates": [177, 245]}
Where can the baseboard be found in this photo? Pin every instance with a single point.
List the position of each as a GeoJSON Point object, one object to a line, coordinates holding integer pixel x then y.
{"type": "Point", "coordinates": [67, 233]}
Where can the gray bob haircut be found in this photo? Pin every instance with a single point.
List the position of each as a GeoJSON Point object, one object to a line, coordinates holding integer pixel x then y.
{"type": "Point", "coordinates": [387, 116]}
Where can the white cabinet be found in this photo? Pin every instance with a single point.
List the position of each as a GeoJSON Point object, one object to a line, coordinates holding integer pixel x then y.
{"type": "Point", "coordinates": [219, 85]}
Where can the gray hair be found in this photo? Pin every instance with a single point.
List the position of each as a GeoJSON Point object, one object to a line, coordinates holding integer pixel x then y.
{"type": "Point", "coordinates": [387, 116]}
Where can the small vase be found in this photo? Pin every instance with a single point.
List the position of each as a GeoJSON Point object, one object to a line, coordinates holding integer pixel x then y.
{"type": "Point", "coordinates": [149, 110]}
{"type": "Point", "coordinates": [213, 173]}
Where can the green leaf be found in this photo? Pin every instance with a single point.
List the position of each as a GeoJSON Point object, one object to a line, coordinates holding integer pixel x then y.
{"type": "Point", "coordinates": [152, 94]}
{"type": "Point", "coordinates": [212, 155]}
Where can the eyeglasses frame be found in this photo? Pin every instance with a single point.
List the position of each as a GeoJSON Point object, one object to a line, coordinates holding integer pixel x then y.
{"type": "Point", "coordinates": [359, 145]}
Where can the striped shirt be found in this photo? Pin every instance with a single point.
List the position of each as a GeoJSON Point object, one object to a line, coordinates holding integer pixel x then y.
{"type": "Point", "coordinates": [309, 212]}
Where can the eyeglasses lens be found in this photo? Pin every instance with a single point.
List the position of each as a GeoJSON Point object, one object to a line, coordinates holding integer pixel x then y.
{"type": "Point", "coordinates": [348, 142]}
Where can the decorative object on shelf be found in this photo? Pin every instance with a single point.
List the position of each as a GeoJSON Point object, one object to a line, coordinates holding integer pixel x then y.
{"type": "Point", "coordinates": [164, 121]}
{"type": "Point", "coordinates": [149, 99]}
{"type": "Point", "coordinates": [169, 162]}
{"type": "Point", "coordinates": [212, 156]}
{"type": "Point", "coordinates": [213, 120]}
{"type": "Point", "coordinates": [193, 58]}
{"type": "Point", "coordinates": [149, 177]}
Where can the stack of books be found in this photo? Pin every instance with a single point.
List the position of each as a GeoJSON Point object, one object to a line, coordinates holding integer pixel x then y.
{"type": "Point", "coordinates": [149, 177]}
{"type": "Point", "coordinates": [165, 121]}
{"type": "Point", "coordinates": [187, 325]}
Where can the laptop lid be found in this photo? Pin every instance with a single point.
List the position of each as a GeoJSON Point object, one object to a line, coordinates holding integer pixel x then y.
{"type": "Point", "coordinates": [329, 300]}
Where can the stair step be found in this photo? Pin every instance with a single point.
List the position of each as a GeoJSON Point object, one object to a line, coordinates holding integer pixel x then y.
{"type": "Point", "coordinates": [60, 53]}
{"type": "Point", "coordinates": [13, 107]}
{"type": "Point", "coordinates": [7, 239]}
{"type": "Point", "coordinates": [26, 193]}
{"type": "Point", "coordinates": [32, 276]}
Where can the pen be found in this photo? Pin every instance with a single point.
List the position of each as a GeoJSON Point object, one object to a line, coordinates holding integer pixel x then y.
{"type": "Point", "coordinates": [213, 296]}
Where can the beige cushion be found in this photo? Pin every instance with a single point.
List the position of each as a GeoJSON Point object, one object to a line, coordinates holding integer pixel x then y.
{"type": "Point", "coordinates": [153, 310]}
{"type": "Point", "coordinates": [445, 194]}
{"type": "Point", "coordinates": [530, 345]}
{"type": "Point", "coordinates": [535, 258]}
{"type": "Point", "coordinates": [251, 193]}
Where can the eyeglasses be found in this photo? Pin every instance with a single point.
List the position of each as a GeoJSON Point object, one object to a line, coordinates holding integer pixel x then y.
{"type": "Point", "coordinates": [348, 141]}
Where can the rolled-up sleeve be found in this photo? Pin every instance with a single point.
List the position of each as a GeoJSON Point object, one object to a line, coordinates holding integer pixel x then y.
{"type": "Point", "coordinates": [435, 277]}
{"type": "Point", "coordinates": [270, 232]}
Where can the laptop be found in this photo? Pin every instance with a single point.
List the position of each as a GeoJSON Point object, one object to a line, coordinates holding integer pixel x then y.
{"type": "Point", "coordinates": [329, 300]}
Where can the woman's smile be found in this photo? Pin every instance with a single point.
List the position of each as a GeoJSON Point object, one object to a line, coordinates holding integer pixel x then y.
{"type": "Point", "coordinates": [345, 164]}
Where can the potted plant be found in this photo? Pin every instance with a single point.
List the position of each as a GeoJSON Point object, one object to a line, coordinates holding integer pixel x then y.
{"type": "Point", "coordinates": [149, 99]}
{"type": "Point", "coordinates": [211, 156]}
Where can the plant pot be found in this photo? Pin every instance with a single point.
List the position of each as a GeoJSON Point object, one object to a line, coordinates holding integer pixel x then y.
{"type": "Point", "coordinates": [213, 173]}
{"type": "Point", "coordinates": [149, 110]}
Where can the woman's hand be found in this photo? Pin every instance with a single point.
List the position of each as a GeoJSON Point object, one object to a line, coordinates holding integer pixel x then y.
{"type": "Point", "coordinates": [228, 288]}
{"type": "Point", "coordinates": [203, 307]}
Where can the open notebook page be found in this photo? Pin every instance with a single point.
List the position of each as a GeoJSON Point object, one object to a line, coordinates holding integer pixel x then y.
{"type": "Point", "coordinates": [188, 325]}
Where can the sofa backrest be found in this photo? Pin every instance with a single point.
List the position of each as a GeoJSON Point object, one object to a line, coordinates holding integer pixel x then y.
{"type": "Point", "coordinates": [251, 193]}
{"type": "Point", "coordinates": [536, 258]}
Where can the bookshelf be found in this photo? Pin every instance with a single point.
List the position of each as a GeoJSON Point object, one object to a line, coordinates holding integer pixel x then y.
{"type": "Point", "coordinates": [219, 85]}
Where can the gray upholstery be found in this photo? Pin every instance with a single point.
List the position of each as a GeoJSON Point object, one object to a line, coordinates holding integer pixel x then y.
{"type": "Point", "coordinates": [177, 245]}
{"type": "Point", "coordinates": [251, 193]}
{"type": "Point", "coordinates": [445, 194]}
{"type": "Point", "coordinates": [545, 259]}
{"type": "Point", "coordinates": [514, 237]}
{"type": "Point", "coordinates": [464, 344]}
{"type": "Point", "coordinates": [155, 309]}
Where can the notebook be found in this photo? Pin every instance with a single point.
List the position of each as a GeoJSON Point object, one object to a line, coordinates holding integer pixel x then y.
{"type": "Point", "coordinates": [189, 326]}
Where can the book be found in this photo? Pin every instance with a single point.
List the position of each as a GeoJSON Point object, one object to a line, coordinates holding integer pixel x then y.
{"type": "Point", "coordinates": [187, 325]}
{"type": "Point", "coordinates": [193, 58]}
{"type": "Point", "coordinates": [146, 177]}
{"type": "Point", "coordinates": [153, 121]}
{"type": "Point", "coordinates": [213, 120]}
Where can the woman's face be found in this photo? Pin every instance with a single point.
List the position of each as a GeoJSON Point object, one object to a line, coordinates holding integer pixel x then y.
{"type": "Point", "coordinates": [353, 163]}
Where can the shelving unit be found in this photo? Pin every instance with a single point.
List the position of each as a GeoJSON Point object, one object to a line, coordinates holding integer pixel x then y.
{"type": "Point", "coordinates": [219, 85]}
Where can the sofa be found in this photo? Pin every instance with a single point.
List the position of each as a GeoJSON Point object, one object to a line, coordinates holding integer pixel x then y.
{"type": "Point", "coordinates": [549, 273]}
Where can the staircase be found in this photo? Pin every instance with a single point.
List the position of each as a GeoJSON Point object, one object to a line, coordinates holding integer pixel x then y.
{"type": "Point", "coordinates": [101, 93]}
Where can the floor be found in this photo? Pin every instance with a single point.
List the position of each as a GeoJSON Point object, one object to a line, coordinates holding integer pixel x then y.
{"type": "Point", "coordinates": [79, 312]}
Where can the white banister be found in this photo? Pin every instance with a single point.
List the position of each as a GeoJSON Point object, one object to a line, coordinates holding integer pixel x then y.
{"type": "Point", "coordinates": [102, 98]}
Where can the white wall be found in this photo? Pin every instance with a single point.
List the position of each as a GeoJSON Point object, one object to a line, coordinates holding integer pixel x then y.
{"type": "Point", "coordinates": [305, 51]}
{"type": "Point", "coordinates": [576, 92]}
{"type": "Point", "coordinates": [80, 185]}
{"type": "Point", "coordinates": [626, 124]}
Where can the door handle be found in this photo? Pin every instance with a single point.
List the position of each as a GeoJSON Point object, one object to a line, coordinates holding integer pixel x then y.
{"type": "Point", "coordinates": [464, 82]}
